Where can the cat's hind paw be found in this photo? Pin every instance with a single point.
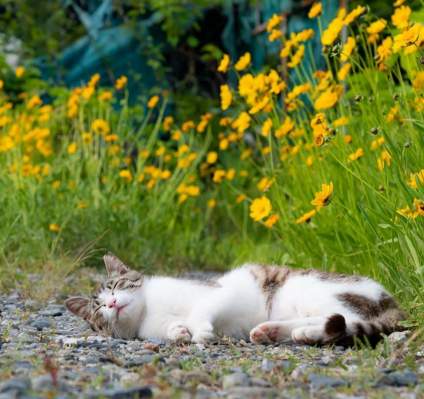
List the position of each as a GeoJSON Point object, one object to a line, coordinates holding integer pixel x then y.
{"type": "Point", "coordinates": [178, 332]}
{"type": "Point", "coordinates": [265, 333]}
{"type": "Point", "coordinates": [311, 335]}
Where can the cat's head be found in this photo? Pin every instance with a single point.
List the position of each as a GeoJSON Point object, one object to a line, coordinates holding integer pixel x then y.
{"type": "Point", "coordinates": [115, 306]}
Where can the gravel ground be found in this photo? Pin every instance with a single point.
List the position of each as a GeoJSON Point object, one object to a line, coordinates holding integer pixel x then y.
{"type": "Point", "coordinates": [45, 352]}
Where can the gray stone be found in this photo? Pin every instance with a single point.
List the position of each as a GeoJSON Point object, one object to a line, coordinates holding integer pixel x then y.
{"type": "Point", "coordinates": [41, 323]}
{"type": "Point", "coordinates": [19, 385]}
{"type": "Point", "coordinates": [53, 311]}
{"type": "Point", "coordinates": [139, 360]}
{"type": "Point", "coordinates": [120, 393]}
{"type": "Point", "coordinates": [252, 392]}
{"type": "Point", "coordinates": [267, 365]}
{"type": "Point", "coordinates": [398, 337]}
{"type": "Point", "coordinates": [399, 379]}
{"type": "Point", "coordinates": [235, 380]}
{"type": "Point", "coordinates": [319, 381]}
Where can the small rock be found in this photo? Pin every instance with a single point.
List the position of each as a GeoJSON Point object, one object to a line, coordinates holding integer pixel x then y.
{"type": "Point", "coordinates": [252, 392]}
{"type": "Point", "coordinates": [139, 361]}
{"type": "Point", "coordinates": [235, 380]}
{"type": "Point", "coordinates": [322, 381]}
{"type": "Point", "coordinates": [120, 393]}
{"type": "Point", "coordinates": [130, 379]}
{"type": "Point", "coordinates": [41, 323]}
{"type": "Point", "coordinates": [299, 371]}
{"type": "Point", "coordinates": [398, 337]}
{"type": "Point", "coordinates": [267, 365]}
{"type": "Point", "coordinates": [53, 310]}
{"type": "Point", "coordinates": [17, 385]}
{"type": "Point", "coordinates": [399, 379]}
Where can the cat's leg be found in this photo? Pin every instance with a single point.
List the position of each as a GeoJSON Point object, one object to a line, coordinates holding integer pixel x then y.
{"type": "Point", "coordinates": [178, 331]}
{"type": "Point", "coordinates": [277, 331]}
{"type": "Point", "coordinates": [330, 331]}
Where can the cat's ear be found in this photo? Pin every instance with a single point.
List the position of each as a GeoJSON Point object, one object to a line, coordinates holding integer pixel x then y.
{"type": "Point", "coordinates": [79, 306]}
{"type": "Point", "coordinates": [114, 266]}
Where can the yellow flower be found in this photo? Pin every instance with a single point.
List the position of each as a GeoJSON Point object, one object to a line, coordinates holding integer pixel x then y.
{"type": "Point", "coordinates": [342, 121]}
{"type": "Point", "coordinates": [322, 198]}
{"type": "Point", "coordinates": [224, 63]}
{"type": "Point", "coordinates": [393, 113]}
{"type": "Point", "coordinates": [72, 148]}
{"type": "Point", "coordinates": [400, 17]}
{"type": "Point", "coordinates": [110, 138]}
{"type": "Point", "coordinates": [126, 175]}
{"type": "Point", "coordinates": [54, 227]}
{"type": "Point", "coordinates": [266, 127]}
{"type": "Point", "coordinates": [106, 95]}
{"type": "Point", "coordinates": [211, 203]}
{"type": "Point", "coordinates": [347, 49]}
{"type": "Point", "coordinates": [19, 72]}
{"type": "Point", "coordinates": [343, 71]}
{"type": "Point", "coordinates": [226, 97]}
{"type": "Point", "coordinates": [315, 10]}
{"type": "Point", "coordinates": [212, 157]}
{"type": "Point", "coordinates": [384, 50]}
{"type": "Point", "coordinates": [33, 102]}
{"type": "Point", "coordinates": [398, 3]}
{"type": "Point", "coordinates": [355, 13]}
{"type": "Point", "coordinates": [243, 62]}
{"type": "Point", "coordinates": [384, 159]}
{"type": "Point", "coordinates": [306, 218]}
{"type": "Point", "coordinates": [82, 205]}
{"type": "Point", "coordinates": [218, 176]}
{"type": "Point", "coordinates": [274, 35]}
{"type": "Point", "coordinates": [377, 26]}
{"type": "Point", "coordinates": [260, 208]}
{"type": "Point", "coordinates": [265, 184]}
{"type": "Point", "coordinates": [271, 220]}
{"type": "Point", "coordinates": [94, 80]}
{"type": "Point", "coordinates": [152, 102]}
{"type": "Point", "coordinates": [273, 22]}
{"type": "Point", "coordinates": [410, 40]}
{"type": "Point", "coordinates": [332, 32]}
{"type": "Point", "coordinates": [297, 57]}
{"type": "Point", "coordinates": [187, 125]}
{"type": "Point", "coordinates": [100, 126]}
{"type": "Point", "coordinates": [167, 123]}
{"type": "Point", "coordinates": [242, 122]}
{"type": "Point", "coordinates": [240, 198]}
{"type": "Point", "coordinates": [286, 127]}
{"type": "Point", "coordinates": [377, 143]}
{"type": "Point", "coordinates": [327, 99]}
{"type": "Point", "coordinates": [418, 82]}
{"type": "Point", "coordinates": [121, 82]}
{"type": "Point", "coordinates": [359, 153]}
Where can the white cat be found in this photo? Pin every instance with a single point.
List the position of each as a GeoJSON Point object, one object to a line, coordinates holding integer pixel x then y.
{"type": "Point", "coordinates": [267, 304]}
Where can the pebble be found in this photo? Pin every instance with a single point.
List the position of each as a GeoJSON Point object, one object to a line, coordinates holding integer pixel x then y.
{"type": "Point", "coordinates": [121, 393]}
{"type": "Point", "coordinates": [399, 379]}
{"type": "Point", "coordinates": [41, 323]}
{"type": "Point", "coordinates": [15, 385]}
{"type": "Point", "coordinates": [235, 380]}
{"type": "Point", "coordinates": [319, 381]}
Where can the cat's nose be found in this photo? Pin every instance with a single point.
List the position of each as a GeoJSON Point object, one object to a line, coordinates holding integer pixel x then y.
{"type": "Point", "coordinates": [112, 303]}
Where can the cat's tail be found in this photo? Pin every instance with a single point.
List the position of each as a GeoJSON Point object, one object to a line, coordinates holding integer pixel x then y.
{"type": "Point", "coordinates": [344, 332]}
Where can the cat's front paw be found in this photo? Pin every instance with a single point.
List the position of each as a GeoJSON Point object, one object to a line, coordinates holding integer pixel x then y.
{"type": "Point", "coordinates": [203, 333]}
{"type": "Point", "coordinates": [264, 333]}
{"type": "Point", "coordinates": [178, 332]}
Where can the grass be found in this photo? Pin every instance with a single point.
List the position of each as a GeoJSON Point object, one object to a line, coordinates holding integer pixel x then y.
{"type": "Point", "coordinates": [87, 174]}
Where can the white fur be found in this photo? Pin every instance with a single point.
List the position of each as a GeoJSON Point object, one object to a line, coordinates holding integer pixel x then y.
{"type": "Point", "coordinates": [187, 310]}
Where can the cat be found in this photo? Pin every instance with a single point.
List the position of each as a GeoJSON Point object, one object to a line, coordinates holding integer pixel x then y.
{"type": "Point", "coordinates": [266, 304]}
